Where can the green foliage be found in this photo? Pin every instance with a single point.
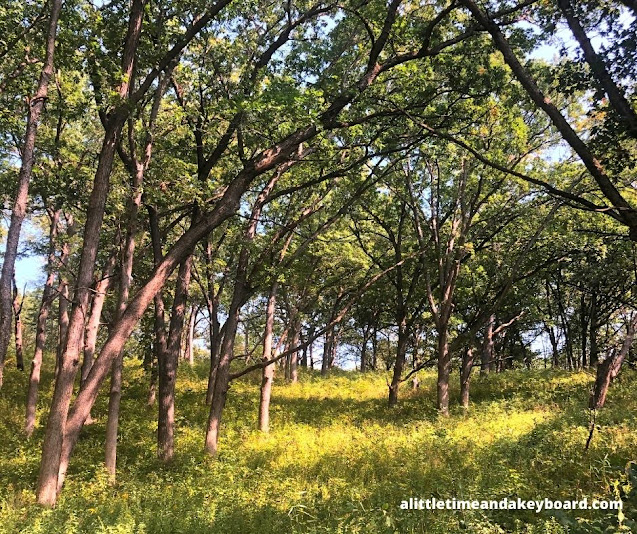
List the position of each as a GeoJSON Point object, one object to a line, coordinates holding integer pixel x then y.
{"type": "Point", "coordinates": [337, 459]}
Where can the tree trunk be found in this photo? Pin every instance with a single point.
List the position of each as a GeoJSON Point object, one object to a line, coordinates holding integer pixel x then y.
{"type": "Point", "coordinates": [584, 319]}
{"type": "Point", "coordinates": [608, 370]}
{"type": "Point", "coordinates": [63, 315]}
{"type": "Point", "coordinates": [159, 325]}
{"type": "Point", "coordinates": [624, 212]}
{"type": "Point", "coordinates": [401, 350]}
{"type": "Point", "coordinates": [92, 326]}
{"type": "Point", "coordinates": [327, 351]}
{"type": "Point", "coordinates": [267, 373]}
{"type": "Point", "coordinates": [294, 342]}
{"type": "Point", "coordinates": [333, 347]}
{"type": "Point", "coordinates": [18, 213]}
{"type": "Point", "coordinates": [17, 312]}
{"type": "Point", "coordinates": [465, 376]}
{"type": "Point", "coordinates": [444, 372]}
{"type": "Point", "coordinates": [311, 347]}
{"type": "Point", "coordinates": [615, 96]}
{"type": "Point", "coordinates": [53, 440]}
{"type": "Point", "coordinates": [486, 363]}
{"type": "Point", "coordinates": [222, 379]}
{"type": "Point", "coordinates": [168, 365]}
{"type": "Point", "coordinates": [189, 352]}
{"type": "Point", "coordinates": [363, 367]}
{"type": "Point", "coordinates": [40, 333]}
{"type": "Point", "coordinates": [214, 327]}
{"type": "Point", "coordinates": [592, 335]}
{"type": "Point", "coordinates": [215, 352]}
{"type": "Point", "coordinates": [375, 347]}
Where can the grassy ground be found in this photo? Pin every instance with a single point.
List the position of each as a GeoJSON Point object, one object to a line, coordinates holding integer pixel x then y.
{"type": "Point", "coordinates": [337, 459]}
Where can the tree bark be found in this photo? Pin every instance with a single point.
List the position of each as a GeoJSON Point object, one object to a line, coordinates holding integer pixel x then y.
{"type": "Point", "coordinates": [294, 342]}
{"type": "Point", "coordinates": [267, 372]}
{"type": "Point", "coordinates": [63, 314]}
{"type": "Point", "coordinates": [375, 346]}
{"type": "Point", "coordinates": [327, 350]}
{"type": "Point", "coordinates": [159, 326]}
{"type": "Point", "coordinates": [18, 213]}
{"type": "Point", "coordinates": [214, 326]}
{"type": "Point", "coordinates": [584, 319]}
{"type": "Point", "coordinates": [592, 335]}
{"type": "Point", "coordinates": [222, 379]}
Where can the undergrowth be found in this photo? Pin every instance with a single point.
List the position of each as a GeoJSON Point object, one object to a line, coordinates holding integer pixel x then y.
{"type": "Point", "coordinates": [337, 459]}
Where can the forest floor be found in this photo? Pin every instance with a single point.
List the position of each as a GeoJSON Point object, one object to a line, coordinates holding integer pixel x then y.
{"type": "Point", "coordinates": [337, 459]}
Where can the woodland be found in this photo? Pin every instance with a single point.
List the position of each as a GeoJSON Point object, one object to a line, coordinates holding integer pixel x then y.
{"type": "Point", "coordinates": [300, 261]}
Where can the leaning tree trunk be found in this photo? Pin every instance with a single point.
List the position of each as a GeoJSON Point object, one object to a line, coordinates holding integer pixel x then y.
{"type": "Point", "coordinates": [608, 370]}
{"type": "Point", "coordinates": [267, 373]}
{"type": "Point", "coordinates": [18, 213]}
{"type": "Point", "coordinates": [222, 379]}
{"type": "Point", "coordinates": [40, 334]}
{"type": "Point", "coordinates": [93, 324]}
{"type": "Point", "coordinates": [626, 213]}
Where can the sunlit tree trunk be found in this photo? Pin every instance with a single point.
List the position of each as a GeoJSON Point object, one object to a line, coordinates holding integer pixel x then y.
{"type": "Point", "coordinates": [267, 373]}
{"type": "Point", "coordinates": [53, 440]}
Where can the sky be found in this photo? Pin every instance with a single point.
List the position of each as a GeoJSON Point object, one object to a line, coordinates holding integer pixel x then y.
{"type": "Point", "coordinates": [29, 269]}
